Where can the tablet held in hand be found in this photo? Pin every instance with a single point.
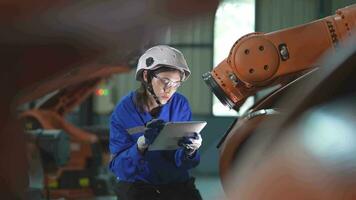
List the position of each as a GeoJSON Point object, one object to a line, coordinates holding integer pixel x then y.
{"type": "Point", "coordinates": [172, 132]}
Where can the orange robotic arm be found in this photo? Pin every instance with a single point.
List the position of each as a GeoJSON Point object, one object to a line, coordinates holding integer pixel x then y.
{"type": "Point", "coordinates": [259, 60]}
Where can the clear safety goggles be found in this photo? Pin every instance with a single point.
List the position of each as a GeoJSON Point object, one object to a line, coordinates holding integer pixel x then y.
{"type": "Point", "coordinates": [168, 83]}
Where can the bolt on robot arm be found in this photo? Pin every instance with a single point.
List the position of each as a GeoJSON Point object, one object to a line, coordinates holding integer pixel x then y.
{"type": "Point", "coordinates": [260, 60]}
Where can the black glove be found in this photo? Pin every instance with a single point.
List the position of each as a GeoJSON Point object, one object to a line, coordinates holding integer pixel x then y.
{"type": "Point", "coordinates": [153, 128]}
{"type": "Point", "coordinates": [190, 143]}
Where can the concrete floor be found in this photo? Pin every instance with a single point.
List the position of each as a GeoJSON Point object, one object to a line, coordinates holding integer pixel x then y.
{"type": "Point", "coordinates": [209, 187]}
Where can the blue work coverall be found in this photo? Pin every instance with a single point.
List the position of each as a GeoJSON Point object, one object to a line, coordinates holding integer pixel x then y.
{"type": "Point", "coordinates": [153, 167]}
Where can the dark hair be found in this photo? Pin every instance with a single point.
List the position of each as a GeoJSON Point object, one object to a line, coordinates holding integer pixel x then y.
{"type": "Point", "coordinates": [141, 100]}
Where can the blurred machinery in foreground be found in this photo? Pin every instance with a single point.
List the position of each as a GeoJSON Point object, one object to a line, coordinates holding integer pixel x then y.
{"type": "Point", "coordinates": [298, 142]}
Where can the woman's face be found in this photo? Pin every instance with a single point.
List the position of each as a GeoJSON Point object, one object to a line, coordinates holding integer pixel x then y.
{"type": "Point", "coordinates": [165, 84]}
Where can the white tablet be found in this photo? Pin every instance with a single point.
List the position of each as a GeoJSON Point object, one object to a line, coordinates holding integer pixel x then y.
{"type": "Point", "coordinates": [173, 131]}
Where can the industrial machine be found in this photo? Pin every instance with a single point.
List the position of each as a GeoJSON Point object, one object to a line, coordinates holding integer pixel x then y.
{"type": "Point", "coordinates": [257, 152]}
{"type": "Point", "coordinates": [71, 160]}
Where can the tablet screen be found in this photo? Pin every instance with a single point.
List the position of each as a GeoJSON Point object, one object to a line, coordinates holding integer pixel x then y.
{"type": "Point", "coordinates": [172, 132]}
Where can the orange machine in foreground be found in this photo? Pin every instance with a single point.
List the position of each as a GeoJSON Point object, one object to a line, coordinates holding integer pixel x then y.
{"type": "Point", "coordinates": [263, 155]}
{"type": "Point", "coordinates": [259, 60]}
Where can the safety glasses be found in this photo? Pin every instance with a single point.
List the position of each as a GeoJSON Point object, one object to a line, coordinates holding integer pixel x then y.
{"type": "Point", "coordinates": [168, 83]}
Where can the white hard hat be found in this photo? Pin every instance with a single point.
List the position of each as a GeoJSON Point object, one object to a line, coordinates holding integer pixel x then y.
{"type": "Point", "coordinates": [162, 56]}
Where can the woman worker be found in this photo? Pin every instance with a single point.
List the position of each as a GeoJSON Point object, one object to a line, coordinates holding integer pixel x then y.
{"type": "Point", "coordinates": [136, 122]}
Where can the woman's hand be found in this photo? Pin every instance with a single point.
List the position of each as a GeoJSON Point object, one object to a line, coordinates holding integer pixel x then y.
{"type": "Point", "coordinates": [191, 143]}
{"type": "Point", "coordinates": [153, 128]}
